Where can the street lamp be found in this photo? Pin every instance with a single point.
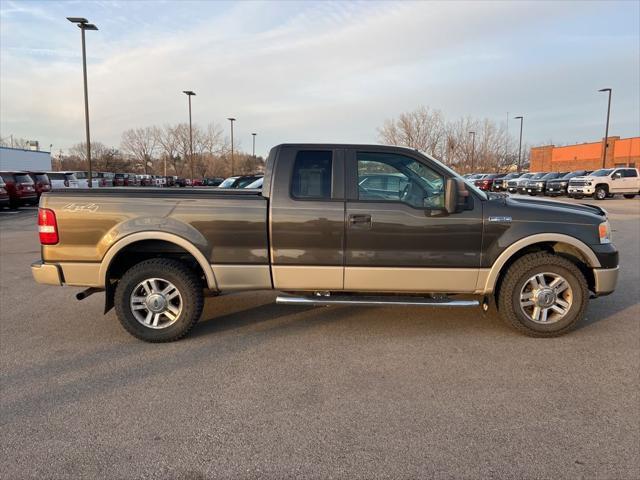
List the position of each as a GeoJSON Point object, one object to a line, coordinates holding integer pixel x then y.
{"type": "Point", "coordinates": [606, 132]}
{"type": "Point", "coordinates": [254, 144]}
{"type": "Point", "coordinates": [84, 24]}
{"type": "Point", "coordinates": [473, 148]}
{"type": "Point", "coordinates": [189, 94]}
{"type": "Point", "coordinates": [520, 143]}
{"type": "Point", "coordinates": [231, 119]}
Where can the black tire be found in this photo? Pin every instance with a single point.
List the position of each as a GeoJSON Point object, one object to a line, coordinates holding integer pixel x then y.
{"type": "Point", "coordinates": [182, 277]}
{"type": "Point", "coordinates": [600, 193]}
{"type": "Point", "coordinates": [629, 195]}
{"type": "Point", "coordinates": [517, 276]}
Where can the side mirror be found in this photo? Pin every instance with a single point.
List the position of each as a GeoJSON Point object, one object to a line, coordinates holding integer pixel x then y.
{"type": "Point", "coordinates": [617, 175]}
{"type": "Point", "coordinates": [455, 195]}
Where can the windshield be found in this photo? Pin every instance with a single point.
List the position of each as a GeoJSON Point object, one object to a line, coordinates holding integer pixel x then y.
{"type": "Point", "coordinates": [245, 181]}
{"type": "Point", "coordinates": [512, 175]}
{"type": "Point", "coordinates": [256, 184]}
{"type": "Point", "coordinates": [603, 172]}
{"type": "Point", "coordinates": [551, 175]}
{"type": "Point", "coordinates": [228, 182]}
{"type": "Point", "coordinates": [538, 175]}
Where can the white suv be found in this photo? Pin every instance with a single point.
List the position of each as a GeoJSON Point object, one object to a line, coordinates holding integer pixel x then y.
{"type": "Point", "coordinates": [606, 182]}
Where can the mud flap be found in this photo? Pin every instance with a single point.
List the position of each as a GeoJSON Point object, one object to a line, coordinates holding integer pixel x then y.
{"type": "Point", "coordinates": [109, 294]}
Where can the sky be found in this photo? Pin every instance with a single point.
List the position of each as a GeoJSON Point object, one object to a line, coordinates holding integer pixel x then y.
{"type": "Point", "coordinates": [318, 72]}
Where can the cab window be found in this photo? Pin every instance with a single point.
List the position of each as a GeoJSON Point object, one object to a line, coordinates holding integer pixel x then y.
{"type": "Point", "coordinates": [392, 177]}
{"type": "Point", "coordinates": [311, 178]}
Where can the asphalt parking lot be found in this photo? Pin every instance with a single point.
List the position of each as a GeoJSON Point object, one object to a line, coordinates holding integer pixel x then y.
{"type": "Point", "coordinates": [260, 390]}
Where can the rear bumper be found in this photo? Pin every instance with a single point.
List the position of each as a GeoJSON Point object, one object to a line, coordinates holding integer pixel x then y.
{"type": "Point", "coordinates": [605, 280]}
{"type": "Point", "coordinates": [46, 273]}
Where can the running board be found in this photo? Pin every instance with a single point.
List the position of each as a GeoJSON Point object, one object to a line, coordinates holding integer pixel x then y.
{"type": "Point", "coordinates": [373, 301]}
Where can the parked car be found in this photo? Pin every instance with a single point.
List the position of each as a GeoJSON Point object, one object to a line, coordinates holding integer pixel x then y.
{"type": "Point", "coordinates": [239, 181]}
{"type": "Point", "coordinates": [41, 182]}
{"type": "Point", "coordinates": [605, 183]}
{"type": "Point", "coordinates": [512, 185]}
{"type": "Point", "coordinates": [105, 179]}
{"type": "Point", "coordinates": [315, 236]}
{"type": "Point", "coordinates": [20, 187]}
{"type": "Point", "coordinates": [537, 186]}
{"type": "Point", "coordinates": [523, 183]}
{"type": "Point", "coordinates": [63, 180]}
{"type": "Point", "coordinates": [121, 180]}
{"type": "Point", "coordinates": [486, 183]}
{"type": "Point", "coordinates": [558, 186]}
{"type": "Point", "coordinates": [196, 182]}
{"type": "Point", "coordinates": [83, 179]}
{"type": "Point", "coordinates": [213, 181]}
{"type": "Point", "coordinates": [170, 180]}
{"type": "Point", "coordinates": [500, 183]}
{"type": "Point", "coordinates": [4, 195]}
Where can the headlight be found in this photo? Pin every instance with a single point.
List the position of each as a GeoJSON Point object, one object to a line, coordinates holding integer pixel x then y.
{"type": "Point", "coordinates": [604, 232]}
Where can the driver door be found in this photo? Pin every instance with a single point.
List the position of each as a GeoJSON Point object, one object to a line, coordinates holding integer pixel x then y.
{"type": "Point", "coordinates": [398, 236]}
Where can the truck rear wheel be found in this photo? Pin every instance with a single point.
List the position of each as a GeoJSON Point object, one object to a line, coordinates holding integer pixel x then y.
{"type": "Point", "coordinates": [159, 300]}
{"type": "Point", "coordinates": [629, 195]}
{"type": "Point", "coordinates": [543, 295]}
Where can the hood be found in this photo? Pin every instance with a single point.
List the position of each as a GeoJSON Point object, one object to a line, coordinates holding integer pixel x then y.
{"type": "Point", "coordinates": [584, 178]}
{"type": "Point", "coordinates": [581, 213]}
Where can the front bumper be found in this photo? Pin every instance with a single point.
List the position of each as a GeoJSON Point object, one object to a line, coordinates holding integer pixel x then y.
{"type": "Point", "coordinates": [605, 280]}
{"type": "Point", "coordinates": [46, 273]}
{"type": "Point", "coordinates": [586, 190]}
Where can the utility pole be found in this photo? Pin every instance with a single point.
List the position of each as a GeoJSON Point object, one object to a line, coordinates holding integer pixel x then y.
{"type": "Point", "coordinates": [84, 24]}
{"type": "Point", "coordinates": [254, 144]}
{"type": "Point", "coordinates": [520, 143]}
{"type": "Point", "coordinates": [189, 94]}
{"type": "Point", "coordinates": [606, 132]}
{"type": "Point", "coordinates": [231, 119]}
{"type": "Point", "coordinates": [473, 149]}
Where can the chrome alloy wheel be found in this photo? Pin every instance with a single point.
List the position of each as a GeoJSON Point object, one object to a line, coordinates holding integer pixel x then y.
{"type": "Point", "coordinates": [546, 298]}
{"type": "Point", "coordinates": [156, 303]}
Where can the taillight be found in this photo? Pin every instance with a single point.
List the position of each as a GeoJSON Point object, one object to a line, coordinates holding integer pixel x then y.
{"type": "Point", "coordinates": [47, 226]}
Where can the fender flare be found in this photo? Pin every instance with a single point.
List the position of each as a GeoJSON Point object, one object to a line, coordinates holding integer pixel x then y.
{"type": "Point", "coordinates": [155, 235]}
{"type": "Point", "coordinates": [494, 272]}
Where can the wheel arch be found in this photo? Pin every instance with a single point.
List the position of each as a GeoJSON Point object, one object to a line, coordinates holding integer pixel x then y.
{"type": "Point", "coordinates": [560, 244]}
{"type": "Point", "coordinates": [170, 238]}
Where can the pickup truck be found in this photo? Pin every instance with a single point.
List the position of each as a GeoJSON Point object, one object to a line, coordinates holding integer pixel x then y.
{"type": "Point", "coordinates": [606, 182]}
{"type": "Point", "coordinates": [320, 235]}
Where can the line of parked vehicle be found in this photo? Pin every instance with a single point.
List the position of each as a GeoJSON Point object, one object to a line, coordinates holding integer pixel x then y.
{"type": "Point", "coordinates": [599, 184]}
{"type": "Point", "coordinates": [19, 188]}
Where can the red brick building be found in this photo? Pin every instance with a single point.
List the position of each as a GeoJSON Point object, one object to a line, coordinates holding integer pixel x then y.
{"type": "Point", "coordinates": [622, 152]}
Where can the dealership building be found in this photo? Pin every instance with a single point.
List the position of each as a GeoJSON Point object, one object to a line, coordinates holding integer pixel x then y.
{"type": "Point", "coordinates": [622, 152]}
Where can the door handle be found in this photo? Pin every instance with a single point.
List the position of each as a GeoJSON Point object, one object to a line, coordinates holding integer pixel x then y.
{"type": "Point", "coordinates": [357, 220]}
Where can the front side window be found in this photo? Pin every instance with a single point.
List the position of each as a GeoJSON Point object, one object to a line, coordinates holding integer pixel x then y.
{"type": "Point", "coordinates": [394, 177]}
{"type": "Point", "coordinates": [311, 179]}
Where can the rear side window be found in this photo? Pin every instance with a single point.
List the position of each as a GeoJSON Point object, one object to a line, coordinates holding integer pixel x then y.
{"type": "Point", "coordinates": [311, 177]}
{"type": "Point", "coordinates": [42, 177]}
{"type": "Point", "coordinates": [629, 172]}
{"type": "Point", "coordinates": [57, 176]}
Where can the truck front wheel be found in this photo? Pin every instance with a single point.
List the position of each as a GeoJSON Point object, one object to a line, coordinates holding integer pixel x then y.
{"type": "Point", "coordinates": [600, 193]}
{"type": "Point", "coordinates": [543, 295]}
{"type": "Point", "coordinates": [159, 300]}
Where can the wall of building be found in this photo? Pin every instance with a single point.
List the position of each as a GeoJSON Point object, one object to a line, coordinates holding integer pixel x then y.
{"type": "Point", "coordinates": [18, 159]}
{"type": "Point", "coordinates": [586, 156]}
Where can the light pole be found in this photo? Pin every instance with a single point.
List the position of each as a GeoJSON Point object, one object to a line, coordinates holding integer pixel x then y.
{"type": "Point", "coordinates": [606, 132]}
{"type": "Point", "coordinates": [231, 119]}
{"type": "Point", "coordinates": [84, 24]}
{"type": "Point", "coordinates": [473, 148]}
{"type": "Point", "coordinates": [520, 142]}
{"type": "Point", "coordinates": [189, 94]}
{"type": "Point", "coordinates": [254, 144]}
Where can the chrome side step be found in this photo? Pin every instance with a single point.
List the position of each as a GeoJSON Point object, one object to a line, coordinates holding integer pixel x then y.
{"type": "Point", "coordinates": [373, 301]}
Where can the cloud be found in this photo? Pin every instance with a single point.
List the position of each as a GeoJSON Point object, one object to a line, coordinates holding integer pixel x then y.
{"type": "Point", "coordinates": [317, 71]}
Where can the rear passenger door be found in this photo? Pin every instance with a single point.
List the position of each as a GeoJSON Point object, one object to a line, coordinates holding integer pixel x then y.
{"type": "Point", "coordinates": [307, 219]}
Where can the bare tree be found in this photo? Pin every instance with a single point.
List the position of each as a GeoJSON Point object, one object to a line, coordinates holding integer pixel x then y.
{"type": "Point", "coordinates": [141, 144]}
{"type": "Point", "coordinates": [423, 129]}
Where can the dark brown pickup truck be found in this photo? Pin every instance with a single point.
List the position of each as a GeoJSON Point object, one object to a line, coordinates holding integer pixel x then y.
{"type": "Point", "coordinates": [333, 224]}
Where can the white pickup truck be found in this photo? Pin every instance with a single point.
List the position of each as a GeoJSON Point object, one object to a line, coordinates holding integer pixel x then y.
{"type": "Point", "coordinates": [606, 182]}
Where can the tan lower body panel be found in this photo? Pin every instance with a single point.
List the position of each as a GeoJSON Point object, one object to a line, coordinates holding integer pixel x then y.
{"type": "Point", "coordinates": [301, 277]}
{"type": "Point", "coordinates": [411, 280]}
{"type": "Point", "coordinates": [81, 274]}
{"type": "Point", "coordinates": [242, 277]}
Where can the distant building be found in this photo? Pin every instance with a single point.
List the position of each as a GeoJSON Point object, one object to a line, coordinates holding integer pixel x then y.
{"type": "Point", "coordinates": [622, 152]}
{"type": "Point", "coordinates": [19, 159]}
